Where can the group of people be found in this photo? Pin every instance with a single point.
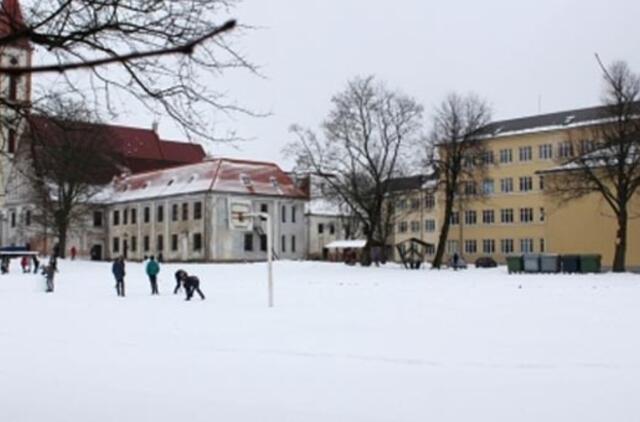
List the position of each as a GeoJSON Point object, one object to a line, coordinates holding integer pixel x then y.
{"type": "Point", "coordinates": [190, 283]}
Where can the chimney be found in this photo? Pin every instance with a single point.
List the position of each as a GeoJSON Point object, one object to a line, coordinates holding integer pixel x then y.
{"type": "Point", "coordinates": [154, 126]}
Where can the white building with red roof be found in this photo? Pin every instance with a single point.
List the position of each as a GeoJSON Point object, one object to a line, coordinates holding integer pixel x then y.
{"type": "Point", "coordinates": [183, 213]}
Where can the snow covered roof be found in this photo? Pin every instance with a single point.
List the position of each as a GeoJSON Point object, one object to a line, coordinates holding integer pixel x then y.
{"type": "Point", "coordinates": [417, 182]}
{"type": "Point", "coordinates": [601, 158]}
{"type": "Point", "coordinates": [216, 175]}
{"type": "Point", "coordinates": [547, 122]}
{"type": "Point", "coordinates": [344, 244]}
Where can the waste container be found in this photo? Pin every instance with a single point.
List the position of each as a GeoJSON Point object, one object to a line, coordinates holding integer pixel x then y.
{"type": "Point", "coordinates": [570, 263]}
{"type": "Point", "coordinates": [590, 263]}
{"type": "Point", "coordinates": [531, 263]}
{"type": "Point", "coordinates": [549, 263]}
{"type": "Point", "coordinates": [514, 264]}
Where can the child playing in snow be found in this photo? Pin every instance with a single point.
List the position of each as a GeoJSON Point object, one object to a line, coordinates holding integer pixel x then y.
{"type": "Point", "coordinates": [49, 272]}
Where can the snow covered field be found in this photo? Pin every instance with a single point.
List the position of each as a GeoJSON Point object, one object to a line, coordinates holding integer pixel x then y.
{"type": "Point", "coordinates": [342, 344]}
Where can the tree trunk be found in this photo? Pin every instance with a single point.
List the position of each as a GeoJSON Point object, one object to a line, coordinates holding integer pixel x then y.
{"type": "Point", "coordinates": [621, 243]}
{"type": "Point", "coordinates": [62, 241]}
{"type": "Point", "coordinates": [444, 232]}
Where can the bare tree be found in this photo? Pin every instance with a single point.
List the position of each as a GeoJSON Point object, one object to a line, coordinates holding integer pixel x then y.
{"type": "Point", "coordinates": [164, 54]}
{"type": "Point", "coordinates": [365, 136]}
{"type": "Point", "coordinates": [68, 162]}
{"type": "Point", "coordinates": [609, 164]}
{"type": "Point", "coordinates": [456, 152]}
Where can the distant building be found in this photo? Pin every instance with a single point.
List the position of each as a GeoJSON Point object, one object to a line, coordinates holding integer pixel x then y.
{"type": "Point", "coordinates": [326, 219]}
{"type": "Point", "coordinates": [183, 213]}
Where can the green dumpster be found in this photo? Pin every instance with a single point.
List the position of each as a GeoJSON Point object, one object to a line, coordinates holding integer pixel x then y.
{"type": "Point", "coordinates": [590, 263]}
{"type": "Point", "coordinates": [515, 264]}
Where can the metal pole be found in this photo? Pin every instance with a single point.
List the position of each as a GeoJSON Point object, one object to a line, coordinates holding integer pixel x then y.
{"type": "Point", "coordinates": [270, 258]}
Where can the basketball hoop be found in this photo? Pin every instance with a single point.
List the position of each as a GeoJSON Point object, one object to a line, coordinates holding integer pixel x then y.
{"type": "Point", "coordinates": [240, 217]}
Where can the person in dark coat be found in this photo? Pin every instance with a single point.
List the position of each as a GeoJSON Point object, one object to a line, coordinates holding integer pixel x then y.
{"type": "Point", "coordinates": [56, 250]}
{"type": "Point", "coordinates": [179, 275]}
{"type": "Point", "coordinates": [118, 272]}
{"type": "Point", "coordinates": [49, 273]}
{"type": "Point", "coordinates": [456, 260]}
{"type": "Point", "coordinates": [192, 284]}
{"type": "Point", "coordinates": [152, 271]}
{"type": "Point", "coordinates": [36, 264]}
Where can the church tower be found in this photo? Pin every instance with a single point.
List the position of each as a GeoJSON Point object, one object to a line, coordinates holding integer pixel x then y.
{"type": "Point", "coordinates": [15, 90]}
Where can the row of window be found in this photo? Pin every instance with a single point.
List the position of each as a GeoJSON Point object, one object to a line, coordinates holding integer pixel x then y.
{"type": "Point", "coordinates": [130, 215]}
{"type": "Point", "coordinates": [506, 185]}
{"type": "Point", "coordinates": [489, 216]}
{"type": "Point", "coordinates": [414, 203]}
{"type": "Point", "coordinates": [416, 226]}
{"type": "Point", "coordinates": [545, 152]}
{"type": "Point", "coordinates": [331, 226]}
{"type": "Point", "coordinates": [26, 217]}
{"type": "Point", "coordinates": [249, 243]}
{"type": "Point", "coordinates": [132, 243]}
{"type": "Point", "coordinates": [507, 246]}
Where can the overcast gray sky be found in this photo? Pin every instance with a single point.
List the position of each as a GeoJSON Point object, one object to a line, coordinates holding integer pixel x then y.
{"type": "Point", "coordinates": [510, 52]}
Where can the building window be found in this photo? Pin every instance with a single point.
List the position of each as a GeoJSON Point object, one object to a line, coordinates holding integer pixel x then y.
{"type": "Point", "coordinates": [13, 219]}
{"type": "Point", "coordinates": [526, 245]}
{"type": "Point", "coordinates": [174, 242]}
{"type": "Point", "coordinates": [134, 216]}
{"type": "Point", "coordinates": [488, 186]}
{"type": "Point", "coordinates": [248, 242]}
{"type": "Point", "coordinates": [125, 216]}
{"type": "Point", "coordinates": [197, 211]}
{"type": "Point", "coordinates": [415, 226]}
{"type": "Point", "coordinates": [160, 214]}
{"type": "Point", "coordinates": [526, 215]}
{"type": "Point", "coordinates": [565, 150]}
{"type": "Point", "coordinates": [402, 227]}
{"type": "Point", "coordinates": [264, 208]}
{"type": "Point", "coordinates": [542, 214]}
{"type": "Point", "coordinates": [586, 146]}
{"type": "Point", "coordinates": [506, 156]}
{"type": "Point", "coordinates": [293, 214]}
{"type": "Point", "coordinates": [97, 219]}
{"type": "Point", "coordinates": [185, 211]}
{"type": "Point", "coordinates": [545, 152]}
{"type": "Point", "coordinates": [13, 87]}
{"type": "Point", "coordinates": [160, 243]}
{"type": "Point", "coordinates": [134, 243]}
{"type": "Point", "coordinates": [27, 218]}
{"type": "Point", "coordinates": [293, 244]}
{"type": "Point", "coordinates": [455, 218]}
{"type": "Point", "coordinates": [506, 185]}
{"type": "Point", "coordinates": [283, 214]}
{"type": "Point", "coordinates": [487, 157]}
{"type": "Point", "coordinates": [263, 242]}
{"type": "Point", "coordinates": [401, 204]}
{"type": "Point", "coordinates": [332, 228]}
{"type": "Point", "coordinates": [506, 215]}
{"type": "Point", "coordinates": [506, 246]}
{"type": "Point", "coordinates": [469, 188]}
{"type": "Point", "coordinates": [116, 217]}
{"type": "Point", "coordinates": [415, 204]}
{"type": "Point", "coordinates": [470, 217]}
{"type": "Point", "coordinates": [174, 212]}
{"type": "Point", "coordinates": [145, 243]}
{"type": "Point", "coordinates": [470, 246]}
{"type": "Point", "coordinates": [488, 217]}
{"type": "Point", "coordinates": [197, 242]}
{"type": "Point", "coordinates": [12, 141]}
{"type": "Point", "coordinates": [115, 244]}
{"type": "Point", "coordinates": [525, 153]}
{"type": "Point", "coordinates": [488, 246]}
{"type": "Point", "coordinates": [147, 214]}
{"type": "Point", "coordinates": [452, 247]}
{"type": "Point", "coordinates": [526, 184]}
{"type": "Point", "coordinates": [283, 243]}
{"type": "Point", "coordinates": [430, 225]}
{"type": "Point", "coordinates": [429, 201]}
{"type": "Point", "coordinates": [320, 228]}
{"type": "Point", "coordinates": [542, 245]}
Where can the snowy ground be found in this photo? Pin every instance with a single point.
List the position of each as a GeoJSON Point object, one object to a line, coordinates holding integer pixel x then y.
{"type": "Point", "coordinates": [342, 344]}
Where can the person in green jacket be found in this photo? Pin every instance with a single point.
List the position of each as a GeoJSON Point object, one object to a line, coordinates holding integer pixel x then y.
{"type": "Point", "coordinates": [153, 268]}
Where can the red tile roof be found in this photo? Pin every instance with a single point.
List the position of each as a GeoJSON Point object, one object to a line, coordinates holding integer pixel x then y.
{"type": "Point", "coordinates": [223, 175]}
{"type": "Point", "coordinates": [11, 21]}
{"type": "Point", "coordinates": [139, 149]}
